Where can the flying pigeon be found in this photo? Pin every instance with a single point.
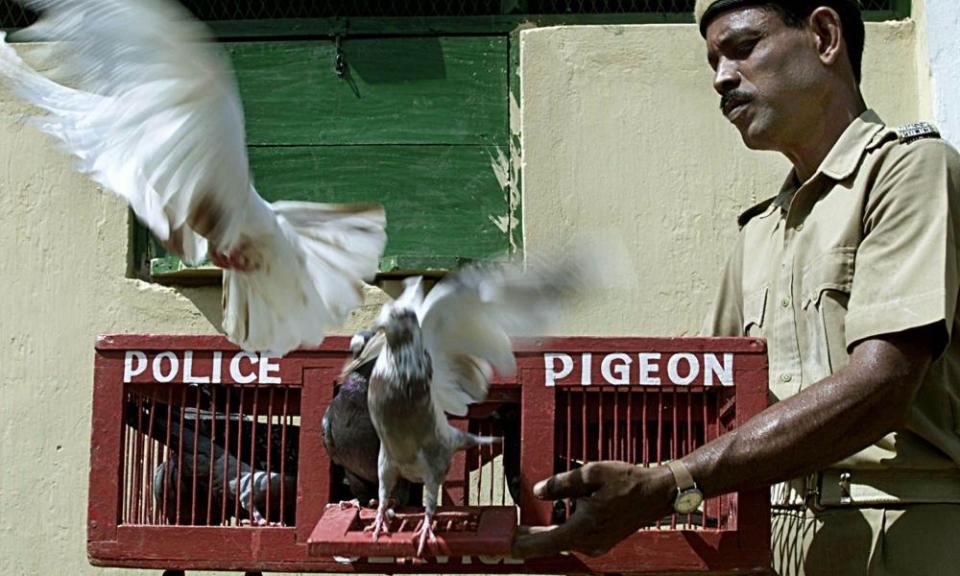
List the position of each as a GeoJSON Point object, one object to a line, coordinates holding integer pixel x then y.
{"type": "Point", "coordinates": [438, 355]}
{"type": "Point", "coordinates": [150, 109]}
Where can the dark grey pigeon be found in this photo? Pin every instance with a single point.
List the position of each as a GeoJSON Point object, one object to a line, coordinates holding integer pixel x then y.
{"type": "Point", "coordinates": [217, 472]}
{"type": "Point", "coordinates": [348, 434]}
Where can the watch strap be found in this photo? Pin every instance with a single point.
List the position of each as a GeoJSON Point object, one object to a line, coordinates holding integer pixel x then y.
{"type": "Point", "coordinates": [681, 475]}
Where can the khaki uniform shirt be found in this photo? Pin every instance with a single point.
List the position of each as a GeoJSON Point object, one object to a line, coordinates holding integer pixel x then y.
{"type": "Point", "coordinates": [867, 246]}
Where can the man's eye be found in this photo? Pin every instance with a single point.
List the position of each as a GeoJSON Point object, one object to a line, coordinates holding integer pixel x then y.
{"type": "Point", "coordinates": [744, 49]}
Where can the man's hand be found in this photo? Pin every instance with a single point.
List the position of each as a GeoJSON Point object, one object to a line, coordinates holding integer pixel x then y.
{"type": "Point", "coordinates": [614, 500]}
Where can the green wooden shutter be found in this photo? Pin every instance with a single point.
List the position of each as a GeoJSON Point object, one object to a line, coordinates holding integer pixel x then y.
{"type": "Point", "coordinates": [419, 124]}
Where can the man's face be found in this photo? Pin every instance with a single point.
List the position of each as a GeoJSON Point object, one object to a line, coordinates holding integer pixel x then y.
{"type": "Point", "coordinates": [767, 75]}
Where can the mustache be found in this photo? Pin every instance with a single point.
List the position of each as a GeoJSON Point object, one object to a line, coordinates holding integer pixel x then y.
{"type": "Point", "coordinates": [733, 98]}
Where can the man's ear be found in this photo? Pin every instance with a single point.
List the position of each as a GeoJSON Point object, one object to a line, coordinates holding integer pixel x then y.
{"type": "Point", "coordinates": [827, 29]}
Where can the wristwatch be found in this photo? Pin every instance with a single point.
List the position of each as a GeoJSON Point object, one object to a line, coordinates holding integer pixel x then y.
{"type": "Point", "coordinates": [688, 497]}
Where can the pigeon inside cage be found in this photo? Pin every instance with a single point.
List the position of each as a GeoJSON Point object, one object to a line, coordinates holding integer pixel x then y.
{"type": "Point", "coordinates": [210, 455]}
{"type": "Point", "coordinates": [215, 455]}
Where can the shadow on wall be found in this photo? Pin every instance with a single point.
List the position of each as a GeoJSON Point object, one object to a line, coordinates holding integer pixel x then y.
{"type": "Point", "coordinates": [395, 61]}
{"type": "Point", "coordinates": [207, 300]}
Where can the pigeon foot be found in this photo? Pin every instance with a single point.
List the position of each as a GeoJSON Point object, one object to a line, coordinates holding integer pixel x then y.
{"type": "Point", "coordinates": [379, 526]}
{"type": "Point", "coordinates": [426, 531]}
{"type": "Point", "coordinates": [258, 518]}
{"type": "Point", "coordinates": [240, 259]}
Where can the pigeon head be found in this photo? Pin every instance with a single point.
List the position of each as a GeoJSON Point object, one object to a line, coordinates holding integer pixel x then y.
{"type": "Point", "coordinates": [358, 342]}
{"type": "Point", "coordinates": [401, 326]}
{"type": "Point", "coordinates": [398, 319]}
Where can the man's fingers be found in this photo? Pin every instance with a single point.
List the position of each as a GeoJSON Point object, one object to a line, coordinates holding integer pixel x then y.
{"type": "Point", "coordinates": [570, 484]}
{"type": "Point", "coordinates": [533, 541]}
{"type": "Point", "coordinates": [526, 530]}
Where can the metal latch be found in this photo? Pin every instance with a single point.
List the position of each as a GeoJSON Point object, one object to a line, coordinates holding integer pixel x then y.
{"type": "Point", "coordinates": [339, 63]}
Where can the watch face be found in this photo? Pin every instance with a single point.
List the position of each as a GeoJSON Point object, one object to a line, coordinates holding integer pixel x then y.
{"type": "Point", "coordinates": [688, 501]}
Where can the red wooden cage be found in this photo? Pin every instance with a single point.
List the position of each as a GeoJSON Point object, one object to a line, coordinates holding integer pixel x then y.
{"type": "Point", "coordinates": [207, 457]}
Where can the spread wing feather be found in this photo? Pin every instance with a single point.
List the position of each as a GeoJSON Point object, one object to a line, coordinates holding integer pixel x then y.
{"type": "Point", "coordinates": [152, 113]}
{"type": "Point", "coordinates": [149, 107]}
{"type": "Point", "coordinates": [468, 320]}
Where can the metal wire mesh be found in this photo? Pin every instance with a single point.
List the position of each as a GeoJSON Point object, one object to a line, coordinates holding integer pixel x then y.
{"type": "Point", "coordinates": [12, 15]}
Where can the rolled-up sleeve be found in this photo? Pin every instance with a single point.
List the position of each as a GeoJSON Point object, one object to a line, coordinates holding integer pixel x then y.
{"type": "Point", "coordinates": [906, 273]}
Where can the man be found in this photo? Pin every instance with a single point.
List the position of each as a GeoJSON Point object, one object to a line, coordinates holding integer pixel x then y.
{"type": "Point", "coordinates": [851, 274]}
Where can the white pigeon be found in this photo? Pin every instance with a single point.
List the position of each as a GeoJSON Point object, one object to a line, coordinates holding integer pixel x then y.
{"type": "Point", "coordinates": [437, 354]}
{"type": "Point", "coordinates": [152, 113]}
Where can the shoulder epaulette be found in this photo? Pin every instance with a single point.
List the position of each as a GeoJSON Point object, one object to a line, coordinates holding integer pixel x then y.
{"type": "Point", "coordinates": [752, 211]}
{"type": "Point", "coordinates": [917, 131]}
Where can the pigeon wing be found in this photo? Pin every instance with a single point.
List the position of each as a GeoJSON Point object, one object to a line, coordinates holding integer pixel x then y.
{"type": "Point", "coordinates": [468, 320]}
{"type": "Point", "coordinates": [152, 114]}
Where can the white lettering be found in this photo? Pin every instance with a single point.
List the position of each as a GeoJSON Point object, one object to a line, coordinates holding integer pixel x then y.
{"type": "Point", "coordinates": [217, 359]}
{"type": "Point", "coordinates": [617, 368]}
{"type": "Point", "coordinates": [158, 374]}
{"type": "Point", "coordinates": [648, 367]}
{"type": "Point", "coordinates": [235, 373]}
{"type": "Point", "coordinates": [586, 371]}
{"type": "Point", "coordinates": [269, 364]}
{"type": "Point", "coordinates": [622, 369]}
{"type": "Point", "coordinates": [188, 376]}
{"type": "Point", "coordinates": [692, 374]}
{"type": "Point", "coordinates": [129, 371]}
{"type": "Point", "coordinates": [550, 366]}
{"type": "Point", "coordinates": [713, 368]}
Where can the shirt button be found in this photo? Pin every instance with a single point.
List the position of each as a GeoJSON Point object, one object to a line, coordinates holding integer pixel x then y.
{"type": "Point", "coordinates": [785, 302]}
{"type": "Point", "coordinates": [799, 226]}
{"type": "Point", "coordinates": [786, 377]}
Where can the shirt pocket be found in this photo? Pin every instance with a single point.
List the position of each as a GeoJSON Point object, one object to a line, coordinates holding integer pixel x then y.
{"type": "Point", "coordinates": [826, 292]}
{"type": "Point", "coordinates": [754, 310]}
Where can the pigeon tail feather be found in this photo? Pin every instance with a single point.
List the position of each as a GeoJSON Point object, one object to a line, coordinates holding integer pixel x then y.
{"type": "Point", "coordinates": [307, 274]}
{"type": "Point", "coordinates": [466, 440]}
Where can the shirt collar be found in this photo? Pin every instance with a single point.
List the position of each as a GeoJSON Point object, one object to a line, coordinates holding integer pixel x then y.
{"type": "Point", "coordinates": [844, 157]}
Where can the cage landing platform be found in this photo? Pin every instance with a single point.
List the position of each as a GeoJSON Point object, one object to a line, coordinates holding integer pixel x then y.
{"type": "Point", "coordinates": [204, 457]}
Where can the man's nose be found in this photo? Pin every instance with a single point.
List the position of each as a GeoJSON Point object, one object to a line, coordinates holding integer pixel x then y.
{"type": "Point", "coordinates": [727, 76]}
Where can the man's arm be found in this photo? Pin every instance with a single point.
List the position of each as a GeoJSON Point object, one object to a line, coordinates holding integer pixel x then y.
{"type": "Point", "coordinates": [826, 422]}
{"type": "Point", "coordinates": [834, 418]}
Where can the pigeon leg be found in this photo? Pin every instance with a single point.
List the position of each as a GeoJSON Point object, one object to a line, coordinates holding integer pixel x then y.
{"type": "Point", "coordinates": [258, 518]}
{"type": "Point", "coordinates": [430, 488]}
{"type": "Point", "coordinates": [387, 475]}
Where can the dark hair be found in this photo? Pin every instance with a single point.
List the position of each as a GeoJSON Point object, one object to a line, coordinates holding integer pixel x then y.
{"type": "Point", "coordinates": [795, 14]}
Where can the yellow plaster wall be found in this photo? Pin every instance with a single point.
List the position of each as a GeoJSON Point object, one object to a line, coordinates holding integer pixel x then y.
{"type": "Point", "coordinates": [620, 132]}
{"type": "Point", "coordinates": [622, 135]}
